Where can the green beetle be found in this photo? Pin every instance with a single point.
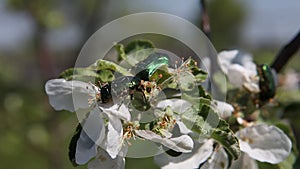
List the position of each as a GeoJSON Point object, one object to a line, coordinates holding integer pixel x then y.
{"type": "Point", "coordinates": [125, 85]}
{"type": "Point", "coordinates": [266, 83]}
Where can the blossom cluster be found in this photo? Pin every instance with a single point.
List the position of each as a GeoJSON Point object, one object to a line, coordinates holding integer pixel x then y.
{"type": "Point", "coordinates": [167, 104]}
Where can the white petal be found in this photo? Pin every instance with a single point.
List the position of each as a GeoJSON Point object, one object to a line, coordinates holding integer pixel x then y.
{"type": "Point", "coordinates": [246, 61]}
{"type": "Point", "coordinates": [237, 75]}
{"type": "Point", "coordinates": [93, 132]}
{"type": "Point", "coordinates": [192, 160]}
{"type": "Point", "coordinates": [182, 128]}
{"type": "Point", "coordinates": [121, 112]}
{"type": "Point", "coordinates": [177, 105]}
{"type": "Point", "coordinates": [183, 143]}
{"type": "Point", "coordinates": [114, 136]}
{"type": "Point", "coordinates": [103, 160]}
{"type": "Point", "coordinates": [94, 126]}
{"type": "Point", "coordinates": [252, 86]}
{"type": "Point", "coordinates": [244, 161]}
{"type": "Point", "coordinates": [218, 160]}
{"type": "Point", "coordinates": [265, 143]}
{"type": "Point", "coordinates": [68, 95]}
{"type": "Point", "coordinates": [85, 150]}
{"type": "Point", "coordinates": [225, 59]}
{"type": "Point", "coordinates": [223, 109]}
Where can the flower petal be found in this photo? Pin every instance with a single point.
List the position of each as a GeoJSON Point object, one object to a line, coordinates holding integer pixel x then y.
{"type": "Point", "coordinates": [223, 109]}
{"type": "Point", "coordinates": [226, 58]}
{"type": "Point", "coordinates": [265, 143]}
{"type": "Point", "coordinates": [237, 75]}
{"type": "Point", "coordinates": [246, 61]}
{"type": "Point", "coordinates": [103, 160]}
{"type": "Point", "coordinates": [68, 95]}
{"type": "Point", "coordinates": [121, 112]}
{"type": "Point", "coordinates": [182, 127]}
{"type": "Point", "coordinates": [218, 160]}
{"type": "Point", "coordinates": [114, 136]}
{"type": "Point", "coordinates": [177, 105]}
{"type": "Point", "coordinates": [240, 69]}
{"type": "Point", "coordinates": [85, 150]}
{"type": "Point", "coordinates": [252, 86]}
{"type": "Point", "coordinates": [244, 161]}
{"type": "Point", "coordinates": [183, 143]}
{"type": "Point", "coordinates": [200, 153]}
{"type": "Point", "coordinates": [93, 132]}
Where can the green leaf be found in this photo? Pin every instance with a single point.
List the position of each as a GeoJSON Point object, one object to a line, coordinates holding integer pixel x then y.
{"type": "Point", "coordinates": [101, 70]}
{"type": "Point", "coordinates": [199, 102]}
{"type": "Point", "coordinates": [73, 145]}
{"type": "Point", "coordinates": [138, 45]}
{"type": "Point", "coordinates": [267, 165]}
{"type": "Point", "coordinates": [202, 122]}
{"type": "Point", "coordinates": [121, 52]}
{"type": "Point", "coordinates": [193, 121]}
{"type": "Point", "coordinates": [205, 119]}
{"type": "Point", "coordinates": [108, 65]}
{"type": "Point", "coordinates": [203, 93]}
{"type": "Point", "coordinates": [228, 141]}
{"type": "Point", "coordinates": [106, 76]}
{"type": "Point", "coordinates": [289, 162]}
{"type": "Point", "coordinates": [82, 74]}
{"type": "Point", "coordinates": [185, 81]}
{"type": "Point", "coordinates": [198, 126]}
{"type": "Point", "coordinates": [135, 51]}
{"type": "Point", "coordinates": [200, 75]}
{"type": "Point", "coordinates": [160, 75]}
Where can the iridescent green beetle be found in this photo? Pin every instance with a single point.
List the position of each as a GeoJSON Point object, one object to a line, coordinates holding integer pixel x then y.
{"type": "Point", "coordinates": [125, 85]}
{"type": "Point", "coordinates": [266, 83]}
{"type": "Point", "coordinates": [148, 66]}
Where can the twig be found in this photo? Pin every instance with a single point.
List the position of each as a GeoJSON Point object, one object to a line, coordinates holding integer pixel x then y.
{"type": "Point", "coordinates": [286, 53]}
{"type": "Point", "coordinates": [205, 26]}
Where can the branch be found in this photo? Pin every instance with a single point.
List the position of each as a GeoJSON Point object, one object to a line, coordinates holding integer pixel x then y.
{"type": "Point", "coordinates": [286, 53]}
{"type": "Point", "coordinates": [205, 26]}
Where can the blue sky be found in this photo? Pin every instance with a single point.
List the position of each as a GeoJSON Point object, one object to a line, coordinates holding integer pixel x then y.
{"type": "Point", "coordinates": [268, 21]}
{"type": "Point", "coordinates": [272, 21]}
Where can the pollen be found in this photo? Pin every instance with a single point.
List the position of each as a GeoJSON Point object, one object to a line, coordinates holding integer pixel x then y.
{"type": "Point", "coordinates": [128, 131]}
{"type": "Point", "coordinates": [160, 75]}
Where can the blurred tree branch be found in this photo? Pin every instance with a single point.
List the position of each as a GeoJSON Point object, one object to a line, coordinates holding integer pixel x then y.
{"type": "Point", "coordinates": [205, 26]}
{"type": "Point", "coordinates": [286, 53]}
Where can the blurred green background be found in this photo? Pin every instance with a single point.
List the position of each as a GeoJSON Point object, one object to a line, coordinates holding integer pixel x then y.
{"type": "Point", "coordinates": [40, 38]}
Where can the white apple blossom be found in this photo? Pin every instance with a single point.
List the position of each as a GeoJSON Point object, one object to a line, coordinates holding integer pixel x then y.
{"type": "Point", "coordinates": [291, 80]}
{"type": "Point", "coordinates": [163, 132]}
{"type": "Point", "coordinates": [260, 142]}
{"type": "Point", "coordinates": [91, 136]}
{"type": "Point", "coordinates": [222, 108]}
{"type": "Point", "coordinates": [240, 69]}
{"type": "Point", "coordinates": [244, 161]}
{"type": "Point", "coordinates": [61, 93]}
{"type": "Point", "coordinates": [110, 135]}
{"type": "Point", "coordinates": [218, 160]}
{"type": "Point", "coordinates": [264, 143]}
{"type": "Point", "coordinates": [201, 152]}
{"type": "Point", "coordinates": [104, 160]}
